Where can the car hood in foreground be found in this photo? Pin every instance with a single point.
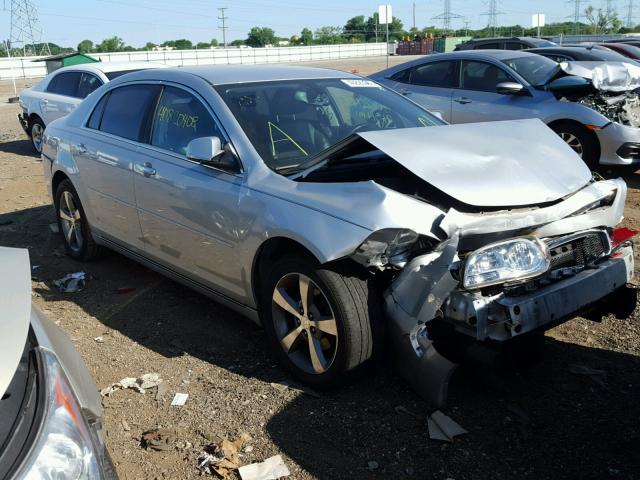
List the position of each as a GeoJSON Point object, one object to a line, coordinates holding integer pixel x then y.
{"type": "Point", "coordinates": [491, 164]}
{"type": "Point", "coordinates": [15, 302]}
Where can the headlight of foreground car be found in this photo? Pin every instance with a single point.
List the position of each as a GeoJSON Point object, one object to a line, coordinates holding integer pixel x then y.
{"type": "Point", "coordinates": [516, 259]}
{"type": "Point", "coordinates": [390, 246]}
{"type": "Point", "coordinates": [64, 448]}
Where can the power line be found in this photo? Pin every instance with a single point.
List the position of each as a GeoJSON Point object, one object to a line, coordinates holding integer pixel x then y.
{"type": "Point", "coordinates": [577, 14]}
{"type": "Point", "coordinates": [447, 16]}
{"type": "Point", "coordinates": [493, 15]}
{"type": "Point", "coordinates": [25, 31]}
{"type": "Point", "coordinates": [224, 25]}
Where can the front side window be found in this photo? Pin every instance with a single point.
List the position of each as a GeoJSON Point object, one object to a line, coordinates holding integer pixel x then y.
{"type": "Point", "coordinates": [65, 83]}
{"type": "Point", "coordinates": [436, 74]}
{"type": "Point", "coordinates": [179, 118]}
{"type": "Point", "coordinates": [88, 83]}
{"type": "Point", "coordinates": [127, 111]}
{"type": "Point", "coordinates": [535, 69]}
{"type": "Point", "coordinates": [482, 76]}
{"type": "Point", "coordinates": [289, 122]}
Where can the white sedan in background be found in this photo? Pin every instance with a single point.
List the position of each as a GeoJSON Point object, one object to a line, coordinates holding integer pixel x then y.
{"type": "Point", "coordinates": [61, 91]}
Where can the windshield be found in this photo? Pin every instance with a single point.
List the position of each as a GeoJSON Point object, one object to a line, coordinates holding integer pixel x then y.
{"type": "Point", "coordinates": [289, 122]}
{"type": "Point", "coordinates": [535, 69]}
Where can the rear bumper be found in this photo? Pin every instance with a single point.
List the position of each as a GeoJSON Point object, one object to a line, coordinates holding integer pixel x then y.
{"type": "Point", "coordinates": [502, 317]}
{"type": "Point", "coordinates": [619, 145]}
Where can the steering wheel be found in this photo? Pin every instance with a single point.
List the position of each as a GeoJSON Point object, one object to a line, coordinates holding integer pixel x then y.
{"type": "Point", "coordinates": [380, 120]}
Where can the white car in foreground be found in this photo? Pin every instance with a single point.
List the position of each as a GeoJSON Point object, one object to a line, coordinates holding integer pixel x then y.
{"type": "Point", "coordinates": [61, 91]}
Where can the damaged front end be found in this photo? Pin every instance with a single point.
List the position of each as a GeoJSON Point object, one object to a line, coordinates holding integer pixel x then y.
{"type": "Point", "coordinates": [561, 262]}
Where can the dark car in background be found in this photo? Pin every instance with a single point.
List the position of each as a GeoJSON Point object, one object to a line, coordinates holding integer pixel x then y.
{"type": "Point", "coordinates": [505, 43]}
{"type": "Point", "coordinates": [580, 54]}
{"type": "Point", "coordinates": [626, 49]}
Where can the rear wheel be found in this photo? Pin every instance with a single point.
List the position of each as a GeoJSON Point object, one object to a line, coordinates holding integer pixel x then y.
{"type": "Point", "coordinates": [581, 140]}
{"type": "Point", "coordinates": [73, 224]}
{"type": "Point", "coordinates": [36, 131]}
{"type": "Point", "coordinates": [320, 321]}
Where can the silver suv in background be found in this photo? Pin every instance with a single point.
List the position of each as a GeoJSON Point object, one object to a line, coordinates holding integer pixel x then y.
{"type": "Point", "coordinates": [598, 118]}
{"type": "Point", "coordinates": [61, 91]}
{"type": "Point", "coordinates": [50, 409]}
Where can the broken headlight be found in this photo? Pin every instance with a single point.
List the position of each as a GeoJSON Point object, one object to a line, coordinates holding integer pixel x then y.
{"type": "Point", "coordinates": [516, 259]}
{"type": "Point", "coordinates": [390, 246]}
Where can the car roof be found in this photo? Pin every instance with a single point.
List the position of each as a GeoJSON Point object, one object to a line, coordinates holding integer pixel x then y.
{"type": "Point", "coordinates": [229, 74]}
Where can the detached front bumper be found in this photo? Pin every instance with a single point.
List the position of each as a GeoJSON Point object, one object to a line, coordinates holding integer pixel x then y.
{"type": "Point", "coordinates": [24, 122]}
{"type": "Point", "coordinates": [619, 144]}
{"type": "Point", "coordinates": [502, 317]}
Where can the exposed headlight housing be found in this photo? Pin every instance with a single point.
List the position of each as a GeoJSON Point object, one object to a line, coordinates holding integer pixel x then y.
{"type": "Point", "coordinates": [389, 246]}
{"type": "Point", "coordinates": [64, 447]}
{"type": "Point", "coordinates": [508, 261]}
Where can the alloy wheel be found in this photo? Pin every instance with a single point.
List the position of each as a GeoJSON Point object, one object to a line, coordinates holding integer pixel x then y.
{"type": "Point", "coordinates": [71, 221]}
{"type": "Point", "coordinates": [304, 323]}
{"type": "Point", "coordinates": [36, 136]}
{"type": "Point", "coordinates": [573, 142]}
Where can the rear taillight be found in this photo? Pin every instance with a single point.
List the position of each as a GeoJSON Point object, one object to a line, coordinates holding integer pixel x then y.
{"type": "Point", "coordinates": [621, 235]}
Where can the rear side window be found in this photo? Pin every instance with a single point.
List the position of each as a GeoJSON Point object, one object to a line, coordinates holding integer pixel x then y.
{"type": "Point", "coordinates": [490, 46]}
{"type": "Point", "coordinates": [65, 83]}
{"type": "Point", "coordinates": [402, 76]}
{"type": "Point", "coordinates": [179, 118]}
{"type": "Point", "coordinates": [127, 111]}
{"type": "Point", "coordinates": [88, 83]}
{"type": "Point", "coordinates": [516, 46]}
{"type": "Point", "coordinates": [483, 76]}
{"type": "Point", "coordinates": [436, 74]}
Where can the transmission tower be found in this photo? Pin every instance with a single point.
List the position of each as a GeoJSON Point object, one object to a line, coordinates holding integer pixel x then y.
{"type": "Point", "coordinates": [493, 15]}
{"type": "Point", "coordinates": [630, 14]}
{"type": "Point", "coordinates": [447, 16]}
{"type": "Point", "coordinates": [26, 32]}
{"type": "Point", "coordinates": [609, 7]}
{"type": "Point", "coordinates": [224, 27]}
{"type": "Point", "coordinates": [577, 14]}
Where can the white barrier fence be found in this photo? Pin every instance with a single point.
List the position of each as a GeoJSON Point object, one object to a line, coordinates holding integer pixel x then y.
{"type": "Point", "coordinates": [25, 67]}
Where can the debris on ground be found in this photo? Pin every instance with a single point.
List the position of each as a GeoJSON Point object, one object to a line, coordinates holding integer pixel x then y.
{"type": "Point", "coordinates": [283, 386]}
{"type": "Point", "coordinates": [125, 425]}
{"type": "Point", "coordinates": [99, 339]}
{"type": "Point", "coordinates": [179, 399]}
{"type": "Point", "coordinates": [123, 290]}
{"type": "Point", "coordinates": [223, 457]}
{"type": "Point", "coordinates": [54, 227]}
{"type": "Point", "coordinates": [597, 375]}
{"type": "Point", "coordinates": [71, 283]}
{"type": "Point", "coordinates": [373, 465]}
{"type": "Point", "coordinates": [159, 439]}
{"type": "Point", "coordinates": [271, 469]}
{"type": "Point", "coordinates": [140, 385]}
{"type": "Point", "coordinates": [443, 428]}
{"type": "Point", "coordinates": [400, 409]}
{"type": "Point", "coordinates": [162, 390]}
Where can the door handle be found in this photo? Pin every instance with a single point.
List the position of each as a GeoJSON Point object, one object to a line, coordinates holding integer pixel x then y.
{"type": "Point", "coordinates": [43, 103]}
{"type": "Point", "coordinates": [146, 170]}
{"type": "Point", "coordinates": [462, 100]}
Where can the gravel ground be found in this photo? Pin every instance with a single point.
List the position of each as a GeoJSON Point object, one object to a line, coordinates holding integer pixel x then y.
{"type": "Point", "coordinates": [540, 422]}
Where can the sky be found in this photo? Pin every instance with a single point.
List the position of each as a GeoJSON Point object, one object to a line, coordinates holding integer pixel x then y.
{"type": "Point", "coordinates": [67, 22]}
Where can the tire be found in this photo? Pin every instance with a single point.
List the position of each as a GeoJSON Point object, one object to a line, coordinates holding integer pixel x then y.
{"type": "Point", "coordinates": [581, 140]}
{"type": "Point", "coordinates": [73, 224]}
{"type": "Point", "coordinates": [36, 129]}
{"type": "Point", "coordinates": [342, 346]}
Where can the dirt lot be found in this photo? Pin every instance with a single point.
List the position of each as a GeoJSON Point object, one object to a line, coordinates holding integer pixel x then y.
{"type": "Point", "coordinates": [542, 422]}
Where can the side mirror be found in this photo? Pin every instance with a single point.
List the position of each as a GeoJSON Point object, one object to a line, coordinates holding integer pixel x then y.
{"type": "Point", "coordinates": [509, 88]}
{"type": "Point", "coordinates": [209, 151]}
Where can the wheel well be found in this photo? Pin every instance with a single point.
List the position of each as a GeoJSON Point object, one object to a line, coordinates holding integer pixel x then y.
{"type": "Point", "coordinates": [555, 123]}
{"type": "Point", "coordinates": [58, 177]}
{"type": "Point", "coordinates": [33, 116]}
{"type": "Point", "coordinates": [270, 251]}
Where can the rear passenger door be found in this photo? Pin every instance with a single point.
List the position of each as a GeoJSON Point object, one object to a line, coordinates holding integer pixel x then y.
{"type": "Point", "coordinates": [477, 100]}
{"type": "Point", "coordinates": [431, 85]}
{"type": "Point", "coordinates": [188, 211]}
{"type": "Point", "coordinates": [105, 151]}
{"type": "Point", "coordinates": [60, 98]}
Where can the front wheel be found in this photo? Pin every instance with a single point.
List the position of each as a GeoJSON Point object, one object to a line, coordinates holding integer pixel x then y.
{"type": "Point", "coordinates": [320, 321]}
{"type": "Point", "coordinates": [581, 140]}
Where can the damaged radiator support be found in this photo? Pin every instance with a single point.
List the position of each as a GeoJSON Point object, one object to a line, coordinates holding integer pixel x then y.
{"type": "Point", "coordinates": [419, 363]}
{"type": "Point", "coordinates": [623, 108]}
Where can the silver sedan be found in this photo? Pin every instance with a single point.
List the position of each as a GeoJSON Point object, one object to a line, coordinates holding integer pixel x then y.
{"type": "Point", "coordinates": [331, 209]}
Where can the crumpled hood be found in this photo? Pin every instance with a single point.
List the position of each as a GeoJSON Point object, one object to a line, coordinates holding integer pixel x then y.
{"type": "Point", "coordinates": [606, 76]}
{"type": "Point", "coordinates": [15, 302]}
{"type": "Point", "coordinates": [489, 164]}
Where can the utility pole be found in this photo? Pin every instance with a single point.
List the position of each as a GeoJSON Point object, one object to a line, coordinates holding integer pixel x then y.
{"type": "Point", "coordinates": [414, 16]}
{"type": "Point", "coordinates": [466, 27]}
{"type": "Point", "coordinates": [25, 31]}
{"type": "Point", "coordinates": [493, 16]}
{"type": "Point", "coordinates": [447, 16]}
{"type": "Point", "coordinates": [224, 25]}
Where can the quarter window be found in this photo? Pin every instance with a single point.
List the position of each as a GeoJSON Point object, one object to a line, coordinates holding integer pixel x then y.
{"type": "Point", "coordinates": [65, 83]}
{"type": "Point", "coordinates": [402, 76]}
{"type": "Point", "coordinates": [127, 111]}
{"type": "Point", "coordinates": [436, 74]}
{"type": "Point", "coordinates": [179, 118]}
{"type": "Point", "coordinates": [482, 76]}
{"type": "Point", "coordinates": [88, 83]}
